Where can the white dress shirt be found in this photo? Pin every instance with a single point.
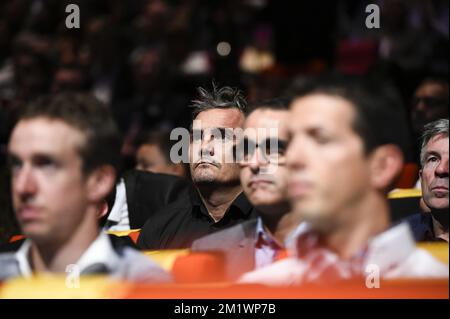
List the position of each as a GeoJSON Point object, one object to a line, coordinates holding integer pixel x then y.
{"type": "Point", "coordinates": [394, 252]}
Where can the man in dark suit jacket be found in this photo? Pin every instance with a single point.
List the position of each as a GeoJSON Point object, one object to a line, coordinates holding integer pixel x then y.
{"type": "Point", "coordinates": [433, 225]}
{"type": "Point", "coordinates": [258, 243]}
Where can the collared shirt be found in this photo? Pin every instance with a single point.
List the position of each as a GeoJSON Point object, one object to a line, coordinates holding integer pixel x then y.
{"type": "Point", "coordinates": [180, 223]}
{"type": "Point", "coordinates": [118, 219]}
{"type": "Point", "coordinates": [100, 252]}
{"type": "Point", "coordinates": [393, 252]}
{"type": "Point", "coordinates": [267, 249]}
{"type": "Point", "coordinates": [423, 227]}
{"type": "Point", "coordinates": [99, 258]}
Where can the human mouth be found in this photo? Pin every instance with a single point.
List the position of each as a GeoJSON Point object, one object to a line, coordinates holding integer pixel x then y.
{"type": "Point", "coordinates": [206, 163]}
{"type": "Point", "coordinates": [28, 213]}
{"type": "Point", "coordinates": [298, 188]}
{"type": "Point", "coordinates": [440, 191]}
{"type": "Point", "coordinates": [259, 182]}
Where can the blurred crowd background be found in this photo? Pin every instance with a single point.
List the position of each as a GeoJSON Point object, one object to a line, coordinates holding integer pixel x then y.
{"type": "Point", "coordinates": [145, 58]}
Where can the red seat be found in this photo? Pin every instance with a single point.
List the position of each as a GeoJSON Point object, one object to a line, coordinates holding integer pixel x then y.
{"type": "Point", "coordinates": [199, 267]}
{"type": "Point", "coordinates": [16, 238]}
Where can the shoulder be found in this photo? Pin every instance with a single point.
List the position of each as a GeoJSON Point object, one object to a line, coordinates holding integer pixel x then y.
{"type": "Point", "coordinates": [414, 219]}
{"type": "Point", "coordinates": [135, 266]}
{"type": "Point", "coordinates": [420, 264]}
{"type": "Point", "coordinates": [421, 226]}
{"type": "Point", "coordinates": [9, 266]}
{"type": "Point", "coordinates": [226, 237]}
{"type": "Point", "coordinates": [165, 220]}
{"type": "Point", "coordinates": [176, 210]}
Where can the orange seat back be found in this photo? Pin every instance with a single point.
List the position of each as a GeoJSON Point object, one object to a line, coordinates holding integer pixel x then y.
{"type": "Point", "coordinates": [199, 267]}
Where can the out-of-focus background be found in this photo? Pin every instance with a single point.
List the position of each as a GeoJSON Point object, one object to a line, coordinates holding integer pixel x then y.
{"type": "Point", "coordinates": [144, 58]}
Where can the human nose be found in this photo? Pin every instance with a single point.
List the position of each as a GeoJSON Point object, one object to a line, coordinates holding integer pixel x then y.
{"type": "Point", "coordinates": [207, 145]}
{"type": "Point", "coordinates": [295, 153]}
{"type": "Point", "coordinates": [24, 182]}
{"type": "Point", "coordinates": [442, 168]}
{"type": "Point", "coordinates": [257, 159]}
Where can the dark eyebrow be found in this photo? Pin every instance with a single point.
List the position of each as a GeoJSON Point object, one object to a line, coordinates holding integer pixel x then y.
{"type": "Point", "coordinates": [435, 153]}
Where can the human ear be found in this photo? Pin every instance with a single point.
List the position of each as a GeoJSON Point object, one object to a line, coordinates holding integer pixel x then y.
{"type": "Point", "coordinates": [386, 163]}
{"type": "Point", "coordinates": [100, 182]}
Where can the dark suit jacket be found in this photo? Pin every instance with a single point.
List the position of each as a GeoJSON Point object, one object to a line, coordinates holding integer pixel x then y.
{"type": "Point", "coordinates": [238, 245]}
{"type": "Point", "coordinates": [149, 192]}
{"type": "Point", "coordinates": [421, 225]}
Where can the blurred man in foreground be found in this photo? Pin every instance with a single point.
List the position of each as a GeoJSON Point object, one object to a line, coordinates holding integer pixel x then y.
{"type": "Point", "coordinates": [344, 155]}
{"type": "Point", "coordinates": [64, 152]}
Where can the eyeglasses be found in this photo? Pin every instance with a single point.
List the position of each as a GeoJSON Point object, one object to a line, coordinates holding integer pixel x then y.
{"type": "Point", "coordinates": [272, 150]}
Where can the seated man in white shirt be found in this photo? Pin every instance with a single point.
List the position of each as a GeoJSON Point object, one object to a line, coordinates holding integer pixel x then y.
{"type": "Point", "coordinates": [344, 154]}
{"type": "Point", "coordinates": [63, 153]}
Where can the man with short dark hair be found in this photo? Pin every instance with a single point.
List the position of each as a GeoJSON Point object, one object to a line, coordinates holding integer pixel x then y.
{"type": "Point", "coordinates": [64, 153]}
{"type": "Point", "coordinates": [344, 155]}
{"type": "Point", "coordinates": [433, 225]}
{"type": "Point", "coordinates": [153, 154]}
{"type": "Point", "coordinates": [216, 200]}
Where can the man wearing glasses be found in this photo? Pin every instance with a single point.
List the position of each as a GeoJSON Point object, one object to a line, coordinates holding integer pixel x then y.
{"type": "Point", "coordinates": [261, 155]}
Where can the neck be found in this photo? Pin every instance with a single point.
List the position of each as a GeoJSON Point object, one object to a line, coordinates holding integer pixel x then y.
{"type": "Point", "coordinates": [279, 221]}
{"type": "Point", "coordinates": [364, 221]}
{"type": "Point", "coordinates": [55, 254]}
{"type": "Point", "coordinates": [217, 199]}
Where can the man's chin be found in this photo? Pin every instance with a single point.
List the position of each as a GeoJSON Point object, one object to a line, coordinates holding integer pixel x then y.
{"type": "Point", "coordinates": [35, 233]}
{"type": "Point", "coordinates": [204, 178]}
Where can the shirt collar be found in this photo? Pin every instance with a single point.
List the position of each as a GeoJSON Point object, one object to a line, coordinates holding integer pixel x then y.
{"type": "Point", "coordinates": [385, 250]}
{"type": "Point", "coordinates": [241, 203]}
{"type": "Point", "coordinates": [263, 237]}
{"type": "Point", "coordinates": [119, 203]}
{"type": "Point", "coordinates": [22, 258]}
{"type": "Point", "coordinates": [100, 252]}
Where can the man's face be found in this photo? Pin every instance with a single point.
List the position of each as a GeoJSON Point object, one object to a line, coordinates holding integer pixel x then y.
{"type": "Point", "coordinates": [150, 158]}
{"type": "Point", "coordinates": [209, 153]}
{"type": "Point", "coordinates": [328, 171]}
{"type": "Point", "coordinates": [434, 173]}
{"type": "Point", "coordinates": [48, 187]}
{"type": "Point", "coordinates": [263, 170]}
{"type": "Point", "coordinates": [429, 104]}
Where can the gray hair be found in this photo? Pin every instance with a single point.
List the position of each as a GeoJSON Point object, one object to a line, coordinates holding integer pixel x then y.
{"type": "Point", "coordinates": [431, 130]}
{"type": "Point", "coordinates": [219, 98]}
